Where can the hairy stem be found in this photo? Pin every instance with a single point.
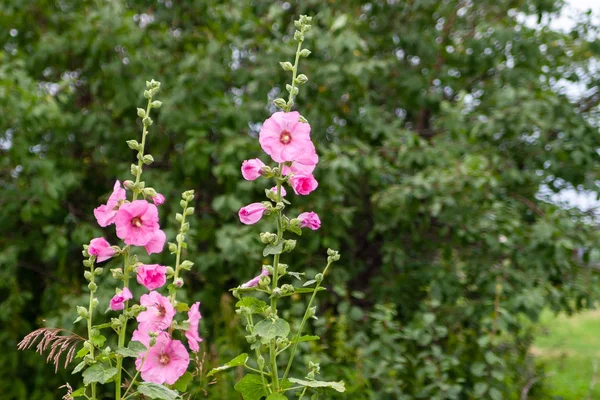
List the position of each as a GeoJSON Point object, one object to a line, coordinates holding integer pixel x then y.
{"type": "Point", "coordinates": [272, 347]}
{"type": "Point", "coordinates": [288, 107]}
{"type": "Point", "coordinates": [123, 329]}
{"type": "Point", "coordinates": [89, 326]}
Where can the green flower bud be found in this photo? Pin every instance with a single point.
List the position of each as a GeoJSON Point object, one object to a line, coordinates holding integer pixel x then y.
{"type": "Point", "coordinates": [319, 278]}
{"type": "Point", "coordinates": [178, 283]}
{"type": "Point", "coordinates": [133, 144]}
{"type": "Point", "coordinates": [148, 159]}
{"type": "Point", "coordinates": [305, 52]}
{"type": "Point", "coordinates": [170, 270]}
{"type": "Point", "coordinates": [289, 245]}
{"type": "Point", "coordinates": [92, 286]}
{"type": "Point", "coordinates": [149, 192]}
{"type": "Point", "coordinates": [186, 265]}
{"type": "Point", "coordinates": [279, 102]}
{"type": "Point", "coordinates": [189, 210]}
{"type": "Point", "coordinates": [141, 113]}
{"type": "Point", "coordinates": [251, 339]}
{"type": "Point", "coordinates": [147, 121]}
{"type": "Point", "coordinates": [286, 65]}
{"type": "Point", "coordinates": [117, 273]}
{"type": "Point", "coordinates": [264, 281]}
{"type": "Point", "coordinates": [301, 79]}
{"type": "Point", "coordinates": [83, 312]}
{"type": "Point", "coordinates": [87, 275]}
{"type": "Point", "coordinates": [287, 289]}
{"type": "Point", "coordinates": [156, 104]}
{"type": "Point", "coordinates": [172, 248]}
{"type": "Point", "coordinates": [298, 36]}
{"type": "Point", "coordinates": [303, 120]}
{"type": "Point", "coordinates": [98, 271]}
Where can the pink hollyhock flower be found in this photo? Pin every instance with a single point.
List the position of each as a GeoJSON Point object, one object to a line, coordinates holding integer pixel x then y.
{"type": "Point", "coordinates": [303, 184]}
{"type": "Point", "coordinates": [100, 248]}
{"type": "Point", "coordinates": [158, 199]}
{"type": "Point", "coordinates": [283, 192]}
{"type": "Point", "coordinates": [254, 281]}
{"type": "Point", "coordinates": [151, 276]}
{"type": "Point", "coordinates": [284, 137]}
{"type": "Point", "coordinates": [166, 362]}
{"type": "Point", "coordinates": [158, 315]}
{"type": "Point", "coordinates": [143, 336]}
{"type": "Point", "coordinates": [251, 169]}
{"type": "Point", "coordinates": [119, 299]}
{"type": "Point", "coordinates": [309, 220]}
{"type": "Point", "coordinates": [304, 163]}
{"type": "Point", "coordinates": [191, 334]}
{"type": "Point", "coordinates": [136, 222]}
{"type": "Point", "coordinates": [106, 213]}
{"type": "Point", "coordinates": [252, 213]}
{"type": "Point", "coordinates": [156, 244]}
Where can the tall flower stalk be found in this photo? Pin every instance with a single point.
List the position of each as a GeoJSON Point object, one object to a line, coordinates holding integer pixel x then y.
{"type": "Point", "coordinates": [285, 137]}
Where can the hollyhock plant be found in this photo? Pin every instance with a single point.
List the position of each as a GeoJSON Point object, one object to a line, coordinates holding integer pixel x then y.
{"type": "Point", "coordinates": [304, 163]}
{"type": "Point", "coordinates": [283, 191]}
{"type": "Point", "coordinates": [252, 213]}
{"type": "Point", "coordinates": [151, 276]}
{"type": "Point", "coordinates": [118, 301]}
{"type": "Point", "coordinates": [165, 362]}
{"type": "Point", "coordinates": [309, 220]}
{"type": "Point", "coordinates": [137, 222]}
{"type": "Point", "coordinates": [254, 281]}
{"type": "Point", "coordinates": [191, 333]}
{"type": "Point", "coordinates": [284, 137]}
{"type": "Point", "coordinates": [106, 213]}
{"type": "Point", "coordinates": [159, 312]}
{"type": "Point", "coordinates": [157, 243]}
{"type": "Point", "coordinates": [100, 248]}
{"type": "Point", "coordinates": [303, 184]}
{"type": "Point", "coordinates": [252, 169]}
{"type": "Point", "coordinates": [159, 199]}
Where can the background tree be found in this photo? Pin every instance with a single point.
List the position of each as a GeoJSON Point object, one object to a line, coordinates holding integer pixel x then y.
{"type": "Point", "coordinates": [437, 123]}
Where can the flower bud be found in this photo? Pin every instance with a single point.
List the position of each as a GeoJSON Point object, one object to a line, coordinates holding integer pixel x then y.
{"type": "Point", "coordinates": [251, 339]}
{"type": "Point", "coordinates": [305, 53]}
{"type": "Point", "coordinates": [189, 210]}
{"type": "Point", "coordinates": [133, 170]}
{"type": "Point", "coordinates": [170, 271]}
{"type": "Point", "coordinates": [260, 361]}
{"type": "Point", "coordinates": [133, 144]}
{"type": "Point", "coordinates": [289, 245]}
{"type": "Point", "coordinates": [87, 275]}
{"type": "Point", "coordinates": [178, 283]}
{"type": "Point", "coordinates": [147, 121]}
{"type": "Point", "coordinates": [172, 248]}
{"type": "Point", "coordinates": [301, 79]}
{"type": "Point", "coordinates": [141, 113]}
{"type": "Point", "coordinates": [83, 312]}
{"type": "Point", "coordinates": [277, 292]}
{"type": "Point", "coordinates": [147, 94]}
{"type": "Point", "coordinates": [98, 271]}
{"type": "Point", "coordinates": [286, 65]}
{"type": "Point", "coordinates": [298, 36]}
{"type": "Point", "coordinates": [311, 312]}
{"type": "Point", "coordinates": [282, 269]}
{"type": "Point", "coordinates": [148, 159]}
{"type": "Point", "coordinates": [87, 263]}
{"type": "Point", "coordinates": [95, 302]}
{"type": "Point", "coordinates": [156, 104]}
{"type": "Point", "coordinates": [92, 286]}
{"type": "Point", "coordinates": [88, 345]}
{"type": "Point", "coordinates": [128, 184]}
{"type": "Point", "coordinates": [279, 102]}
{"type": "Point", "coordinates": [149, 192]}
{"type": "Point", "coordinates": [264, 281]}
{"type": "Point", "coordinates": [287, 289]}
{"type": "Point", "coordinates": [115, 323]}
{"type": "Point", "coordinates": [117, 273]}
{"type": "Point", "coordinates": [186, 265]}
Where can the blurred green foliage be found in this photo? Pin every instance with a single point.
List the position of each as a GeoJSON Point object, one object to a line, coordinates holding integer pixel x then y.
{"type": "Point", "coordinates": [437, 122]}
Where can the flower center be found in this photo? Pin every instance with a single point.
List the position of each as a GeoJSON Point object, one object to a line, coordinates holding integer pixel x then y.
{"type": "Point", "coordinates": [285, 137]}
{"type": "Point", "coordinates": [164, 359]}
{"type": "Point", "coordinates": [136, 222]}
{"type": "Point", "coordinates": [161, 310]}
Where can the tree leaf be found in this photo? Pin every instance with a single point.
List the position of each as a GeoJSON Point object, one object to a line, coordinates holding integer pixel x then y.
{"type": "Point", "coordinates": [155, 391]}
{"type": "Point", "coordinates": [251, 387]}
{"type": "Point", "coordinates": [236, 362]}
{"type": "Point", "coordinates": [269, 329]}
{"type": "Point", "coordinates": [339, 386]}
{"type": "Point", "coordinates": [100, 373]}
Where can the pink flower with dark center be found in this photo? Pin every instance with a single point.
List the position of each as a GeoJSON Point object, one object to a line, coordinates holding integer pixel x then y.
{"type": "Point", "coordinates": [156, 244]}
{"type": "Point", "coordinates": [254, 281]}
{"type": "Point", "coordinates": [252, 213]}
{"type": "Point", "coordinates": [106, 213]}
{"type": "Point", "coordinates": [118, 301]}
{"type": "Point", "coordinates": [252, 169]}
{"type": "Point", "coordinates": [191, 334]}
{"type": "Point", "coordinates": [158, 199]}
{"type": "Point", "coordinates": [166, 361]}
{"type": "Point", "coordinates": [284, 137]}
{"type": "Point", "coordinates": [283, 192]}
{"type": "Point", "coordinates": [304, 163]}
{"type": "Point", "coordinates": [137, 222]}
{"type": "Point", "coordinates": [151, 276]}
{"type": "Point", "coordinates": [309, 220]}
{"type": "Point", "coordinates": [303, 184]}
{"type": "Point", "coordinates": [158, 315]}
{"type": "Point", "coordinates": [100, 248]}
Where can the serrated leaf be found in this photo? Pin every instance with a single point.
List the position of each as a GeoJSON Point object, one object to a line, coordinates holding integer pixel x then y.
{"type": "Point", "coordinates": [339, 386]}
{"type": "Point", "coordinates": [133, 349]}
{"type": "Point", "coordinates": [155, 391]}
{"type": "Point", "coordinates": [269, 329]}
{"type": "Point", "coordinates": [100, 373]}
{"type": "Point", "coordinates": [98, 340]}
{"type": "Point", "coordinates": [255, 305]}
{"type": "Point", "coordinates": [273, 249]}
{"type": "Point", "coordinates": [78, 367]}
{"type": "Point", "coordinates": [251, 387]}
{"type": "Point", "coordinates": [183, 382]}
{"type": "Point", "coordinates": [82, 352]}
{"type": "Point", "coordinates": [78, 393]}
{"type": "Point", "coordinates": [236, 362]}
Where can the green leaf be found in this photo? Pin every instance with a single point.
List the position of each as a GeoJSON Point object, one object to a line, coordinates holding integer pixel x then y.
{"type": "Point", "coordinates": [236, 362]}
{"type": "Point", "coordinates": [133, 349]}
{"type": "Point", "coordinates": [251, 387]}
{"type": "Point", "coordinates": [183, 382]}
{"type": "Point", "coordinates": [308, 283]}
{"type": "Point", "coordinates": [255, 305]}
{"type": "Point", "coordinates": [100, 373]}
{"type": "Point", "coordinates": [339, 386]}
{"type": "Point", "coordinates": [306, 338]}
{"type": "Point", "coordinates": [155, 391]}
{"type": "Point", "coordinates": [78, 367]}
{"type": "Point", "coordinates": [78, 393]}
{"type": "Point", "coordinates": [480, 388]}
{"type": "Point", "coordinates": [495, 394]}
{"type": "Point", "coordinates": [478, 369]}
{"type": "Point", "coordinates": [276, 396]}
{"type": "Point", "coordinates": [269, 329]}
{"type": "Point", "coordinates": [304, 290]}
{"type": "Point", "coordinates": [98, 340]}
{"type": "Point", "coordinates": [272, 249]}
{"type": "Point", "coordinates": [182, 307]}
{"type": "Point", "coordinates": [82, 352]}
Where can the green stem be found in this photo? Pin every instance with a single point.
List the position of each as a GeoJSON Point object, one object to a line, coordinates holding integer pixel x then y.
{"type": "Point", "coordinates": [304, 319]}
{"type": "Point", "coordinates": [136, 190]}
{"type": "Point", "coordinates": [258, 355]}
{"type": "Point", "coordinates": [89, 325]}
{"type": "Point", "coordinates": [178, 255]}
{"type": "Point", "coordinates": [136, 375]}
{"type": "Point", "coordinates": [302, 394]}
{"type": "Point", "coordinates": [272, 347]}
{"type": "Point", "coordinates": [288, 107]}
{"type": "Point", "coordinates": [123, 329]}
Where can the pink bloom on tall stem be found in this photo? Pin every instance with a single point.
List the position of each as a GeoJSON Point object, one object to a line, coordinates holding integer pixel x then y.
{"type": "Point", "coordinates": [252, 169]}
{"type": "Point", "coordinates": [191, 334]}
{"type": "Point", "coordinates": [100, 248]}
{"type": "Point", "coordinates": [136, 222]}
{"type": "Point", "coordinates": [252, 213]}
{"type": "Point", "coordinates": [165, 362]}
{"type": "Point", "coordinates": [106, 213]}
{"type": "Point", "coordinates": [151, 276]}
{"type": "Point", "coordinates": [283, 192]}
{"type": "Point", "coordinates": [309, 220]}
{"type": "Point", "coordinates": [158, 315]}
{"type": "Point", "coordinates": [156, 244]}
{"type": "Point", "coordinates": [158, 199]}
{"type": "Point", "coordinates": [143, 336]}
{"type": "Point", "coordinates": [118, 301]}
{"type": "Point", "coordinates": [284, 137]}
{"type": "Point", "coordinates": [254, 281]}
{"type": "Point", "coordinates": [303, 184]}
{"type": "Point", "coordinates": [304, 163]}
